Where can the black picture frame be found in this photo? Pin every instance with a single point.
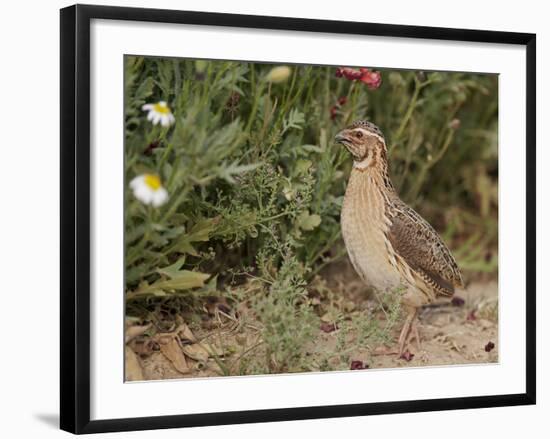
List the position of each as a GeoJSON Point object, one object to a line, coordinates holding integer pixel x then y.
{"type": "Point", "coordinates": [75, 217]}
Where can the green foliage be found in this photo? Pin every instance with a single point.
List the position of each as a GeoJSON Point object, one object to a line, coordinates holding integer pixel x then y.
{"type": "Point", "coordinates": [256, 183]}
{"type": "Point", "coordinates": [289, 323]}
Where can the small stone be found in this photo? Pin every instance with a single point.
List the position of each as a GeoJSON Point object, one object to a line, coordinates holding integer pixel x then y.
{"type": "Point", "coordinates": [358, 365]}
{"type": "Point", "coordinates": [328, 327]}
{"type": "Point", "coordinates": [457, 301]}
{"type": "Point", "coordinates": [489, 346]}
{"type": "Point", "coordinates": [407, 355]}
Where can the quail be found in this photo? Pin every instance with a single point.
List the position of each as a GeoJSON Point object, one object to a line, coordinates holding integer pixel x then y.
{"type": "Point", "coordinates": [391, 247]}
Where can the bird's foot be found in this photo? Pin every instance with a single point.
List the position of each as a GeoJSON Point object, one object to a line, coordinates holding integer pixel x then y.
{"type": "Point", "coordinates": [408, 334]}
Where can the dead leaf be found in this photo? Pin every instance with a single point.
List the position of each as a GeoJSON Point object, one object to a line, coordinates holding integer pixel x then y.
{"type": "Point", "coordinates": [132, 365]}
{"type": "Point", "coordinates": [349, 306]}
{"type": "Point", "coordinates": [135, 331]}
{"type": "Point", "coordinates": [196, 352]}
{"type": "Point", "coordinates": [143, 346]}
{"type": "Point", "coordinates": [185, 334]}
{"type": "Point", "coordinates": [164, 337]}
{"type": "Point", "coordinates": [171, 349]}
{"type": "Point", "coordinates": [215, 351]}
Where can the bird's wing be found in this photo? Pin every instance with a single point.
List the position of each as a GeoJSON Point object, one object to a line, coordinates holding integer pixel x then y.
{"type": "Point", "coordinates": [423, 250]}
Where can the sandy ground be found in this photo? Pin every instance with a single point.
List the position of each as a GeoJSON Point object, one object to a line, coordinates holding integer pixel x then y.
{"type": "Point", "coordinates": [452, 334]}
{"type": "Point", "coordinates": [460, 333]}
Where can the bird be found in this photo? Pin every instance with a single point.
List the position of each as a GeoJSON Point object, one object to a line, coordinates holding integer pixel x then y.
{"type": "Point", "coordinates": [391, 247]}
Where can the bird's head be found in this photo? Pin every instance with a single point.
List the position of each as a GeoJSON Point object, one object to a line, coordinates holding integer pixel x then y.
{"type": "Point", "coordinates": [365, 142]}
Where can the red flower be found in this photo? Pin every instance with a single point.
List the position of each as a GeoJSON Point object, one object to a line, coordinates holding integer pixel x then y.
{"type": "Point", "coordinates": [372, 78]}
{"type": "Point", "coordinates": [352, 75]}
{"type": "Point", "coordinates": [348, 73]}
{"type": "Point", "coordinates": [343, 100]}
{"type": "Point", "coordinates": [334, 109]}
{"type": "Point", "coordinates": [151, 147]}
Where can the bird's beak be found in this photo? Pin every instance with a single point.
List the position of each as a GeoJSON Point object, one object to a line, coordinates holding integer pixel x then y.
{"type": "Point", "coordinates": [340, 137]}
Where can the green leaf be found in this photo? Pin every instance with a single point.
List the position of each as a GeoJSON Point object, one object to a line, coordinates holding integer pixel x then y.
{"type": "Point", "coordinates": [307, 221]}
{"type": "Point", "coordinates": [185, 246]}
{"type": "Point", "coordinates": [144, 90]}
{"type": "Point", "coordinates": [172, 270]}
{"type": "Point", "coordinates": [135, 273]}
{"type": "Point", "coordinates": [312, 148]}
{"type": "Point", "coordinates": [295, 120]}
{"type": "Point", "coordinates": [179, 280]}
{"type": "Point", "coordinates": [182, 280]}
{"type": "Point", "coordinates": [302, 166]}
{"type": "Point", "coordinates": [201, 65]}
{"type": "Point", "coordinates": [201, 230]}
{"type": "Point", "coordinates": [228, 172]}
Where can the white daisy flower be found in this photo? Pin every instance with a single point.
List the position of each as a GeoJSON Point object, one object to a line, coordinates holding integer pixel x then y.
{"type": "Point", "coordinates": [159, 112]}
{"type": "Point", "coordinates": [148, 189]}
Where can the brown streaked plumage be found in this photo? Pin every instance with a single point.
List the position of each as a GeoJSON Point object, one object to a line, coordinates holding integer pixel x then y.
{"type": "Point", "coordinates": [390, 245]}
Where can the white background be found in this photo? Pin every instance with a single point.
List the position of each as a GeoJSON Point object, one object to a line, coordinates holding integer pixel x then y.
{"type": "Point", "coordinates": [111, 398]}
{"type": "Point", "coordinates": [29, 244]}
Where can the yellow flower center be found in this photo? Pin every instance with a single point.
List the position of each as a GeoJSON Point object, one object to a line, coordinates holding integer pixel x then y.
{"type": "Point", "coordinates": [161, 107]}
{"type": "Point", "coordinates": [152, 181]}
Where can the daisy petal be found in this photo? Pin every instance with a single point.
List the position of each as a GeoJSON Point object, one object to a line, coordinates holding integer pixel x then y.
{"type": "Point", "coordinates": [160, 197]}
{"type": "Point", "coordinates": [143, 194]}
{"type": "Point", "coordinates": [134, 183]}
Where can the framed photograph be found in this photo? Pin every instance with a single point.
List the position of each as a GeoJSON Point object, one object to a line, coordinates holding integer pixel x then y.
{"type": "Point", "coordinates": [268, 218]}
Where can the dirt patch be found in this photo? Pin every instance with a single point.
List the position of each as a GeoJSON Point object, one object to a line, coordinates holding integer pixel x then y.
{"type": "Point", "coordinates": [455, 334]}
{"type": "Point", "coordinates": [462, 331]}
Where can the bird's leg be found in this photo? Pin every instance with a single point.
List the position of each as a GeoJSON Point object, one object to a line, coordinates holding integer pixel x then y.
{"type": "Point", "coordinates": [408, 333]}
{"type": "Point", "coordinates": [407, 329]}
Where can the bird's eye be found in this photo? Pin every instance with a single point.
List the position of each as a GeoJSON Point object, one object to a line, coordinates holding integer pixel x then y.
{"type": "Point", "coordinates": [358, 134]}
